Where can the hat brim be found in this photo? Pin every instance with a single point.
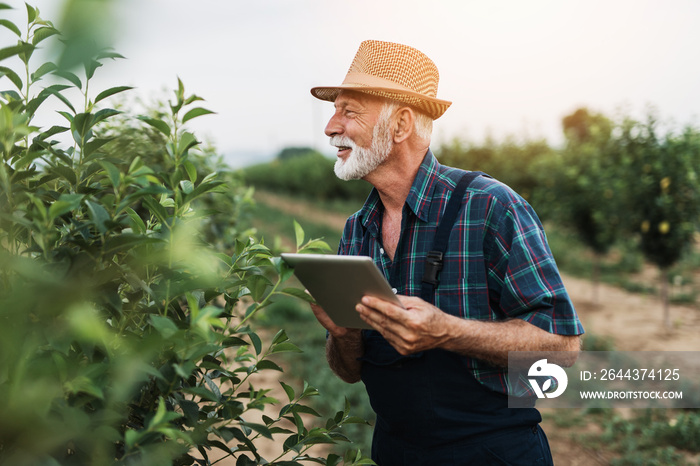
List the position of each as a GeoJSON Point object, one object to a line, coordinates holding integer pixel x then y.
{"type": "Point", "coordinates": [431, 106]}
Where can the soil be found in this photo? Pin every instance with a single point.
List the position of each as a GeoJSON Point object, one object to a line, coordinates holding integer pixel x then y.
{"type": "Point", "coordinates": [633, 322]}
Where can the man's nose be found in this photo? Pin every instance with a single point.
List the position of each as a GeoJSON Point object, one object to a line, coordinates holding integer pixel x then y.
{"type": "Point", "coordinates": [333, 127]}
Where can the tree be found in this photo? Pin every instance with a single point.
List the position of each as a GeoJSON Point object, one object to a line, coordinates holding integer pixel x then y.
{"type": "Point", "coordinates": [587, 186]}
{"type": "Point", "coordinates": [664, 192]}
{"type": "Point", "coordinates": [291, 152]}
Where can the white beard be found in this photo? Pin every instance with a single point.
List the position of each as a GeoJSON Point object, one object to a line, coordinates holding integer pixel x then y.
{"type": "Point", "coordinates": [364, 160]}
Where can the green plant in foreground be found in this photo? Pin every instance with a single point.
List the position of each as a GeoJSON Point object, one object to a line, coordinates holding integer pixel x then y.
{"type": "Point", "coordinates": [125, 338]}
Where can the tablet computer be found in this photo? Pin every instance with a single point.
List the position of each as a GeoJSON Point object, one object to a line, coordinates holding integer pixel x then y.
{"type": "Point", "coordinates": [338, 283]}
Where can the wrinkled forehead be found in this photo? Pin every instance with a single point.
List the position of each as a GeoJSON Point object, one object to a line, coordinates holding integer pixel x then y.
{"type": "Point", "coordinates": [346, 97]}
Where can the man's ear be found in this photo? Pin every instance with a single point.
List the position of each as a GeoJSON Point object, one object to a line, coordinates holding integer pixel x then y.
{"type": "Point", "coordinates": [403, 124]}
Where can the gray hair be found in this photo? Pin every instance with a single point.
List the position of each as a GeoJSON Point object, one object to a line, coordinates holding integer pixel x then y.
{"type": "Point", "coordinates": [423, 126]}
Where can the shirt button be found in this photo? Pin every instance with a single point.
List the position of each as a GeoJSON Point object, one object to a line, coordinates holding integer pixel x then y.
{"type": "Point", "coordinates": [394, 290]}
{"type": "Point", "coordinates": [381, 251]}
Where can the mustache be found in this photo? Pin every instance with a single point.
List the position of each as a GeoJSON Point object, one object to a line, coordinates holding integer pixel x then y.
{"type": "Point", "coordinates": [342, 141]}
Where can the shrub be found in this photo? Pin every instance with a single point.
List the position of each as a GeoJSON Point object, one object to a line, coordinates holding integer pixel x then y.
{"type": "Point", "coordinates": [125, 338]}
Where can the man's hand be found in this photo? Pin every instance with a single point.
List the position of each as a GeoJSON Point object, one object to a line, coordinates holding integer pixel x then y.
{"type": "Point", "coordinates": [343, 347]}
{"type": "Point", "coordinates": [419, 327]}
{"type": "Point", "coordinates": [422, 326]}
{"type": "Point", "coordinates": [328, 324]}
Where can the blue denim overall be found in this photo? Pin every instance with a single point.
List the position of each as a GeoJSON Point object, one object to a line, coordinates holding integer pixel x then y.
{"type": "Point", "coordinates": [431, 410]}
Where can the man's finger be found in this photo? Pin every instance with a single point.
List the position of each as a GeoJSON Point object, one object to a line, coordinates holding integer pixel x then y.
{"type": "Point", "coordinates": [387, 308]}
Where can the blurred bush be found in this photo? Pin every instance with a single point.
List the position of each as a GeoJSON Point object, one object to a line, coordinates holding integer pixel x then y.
{"type": "Point", "coordinates": [305, 172]}
{"type": "Point", "coordinates": [125, 336]}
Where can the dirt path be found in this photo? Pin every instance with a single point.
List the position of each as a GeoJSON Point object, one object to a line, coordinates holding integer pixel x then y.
{"type": "Point", "coordinates": [634, 321]}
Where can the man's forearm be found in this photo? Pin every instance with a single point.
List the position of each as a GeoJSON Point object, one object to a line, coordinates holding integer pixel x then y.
{"type": "Point", "coordinates": [491, 341]}
{"type": "Point", "coordinates": [342, 354]}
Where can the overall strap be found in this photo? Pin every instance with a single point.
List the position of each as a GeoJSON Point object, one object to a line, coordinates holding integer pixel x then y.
{"type": "Point", "coordinates": [433, 261]}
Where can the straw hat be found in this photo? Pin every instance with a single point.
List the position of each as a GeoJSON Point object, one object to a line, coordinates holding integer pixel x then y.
{"type": "Point", "coordinates": [393, 71]}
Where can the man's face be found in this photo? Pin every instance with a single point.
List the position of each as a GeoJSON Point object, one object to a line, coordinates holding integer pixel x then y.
{"type": "Point", "coordinates": [361, 133]}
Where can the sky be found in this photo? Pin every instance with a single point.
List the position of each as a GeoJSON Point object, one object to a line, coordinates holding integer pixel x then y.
{"type": "Point", "coordinates": [510, 67]}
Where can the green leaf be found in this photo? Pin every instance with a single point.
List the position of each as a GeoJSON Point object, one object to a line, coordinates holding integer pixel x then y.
{"type": "Point", "coordinates": [55, 90]}
{"type": "Point", "coordinates": [280, 337]}
{"type": "Point", "coordinates": [187, 186]}
{"type": "Point", "coordinates": [95, 144]}
{"type": "Point", "coordinates": [53, 131]}
{"type": "Point", "coordinates": [64, 172]}
{"type": "Point", "coordinates": [187, 141]}
{"type": "Point", "coordinates": [288, 390]}
{"type": "Point", "coordinates": [44, 33]}
{"type": "Point", "coordinates": [158, 124]}
{"type": "Point", "coordinates": [164, 326]}
{"type": "Point", "coordinates": [233, 341]}
{"type": "Point", "coordinates": [191, 411]}
{"type": "Point", "coordinates": [108, 54]}
{"type": "Point", "coordinates": [191, 170]}
{"type": "Point", "coordinates": [147, 192]}
{"type": "Point", "coordinates": [156, 209]}
{"type": "Point", "coordinates": [267, 364]}
{"type": "Point", "coordinates": [12, 76]}
{"type": "Point", "coordinates": [194, 113]}
{"type": "Point", "coordinates": [103, 114]}
{"type": "Point", "coordinates": [68, 76]}
{"type": "Point", "coordinates": [130, 438]}
{"type": "Point", "coordinates": [11, 26]}
{"type": "Point", "coordinates": [90, 68]}
{"type": "Point", "coordinates": [31, 13]}
{"type": "Point", "coordinates": [299, 234]}
{"type": "Point", "coordinates": [257, 284]}
{"type": "Point", "coordinates": [136, 222]}
{"type": "Point", "coordinates": [256, 341]}
{"type": "Point", "coordinates": [201, 392]}
{"type": "Point", "coordinates": [297, 293]}
{"type": "Point", "coordinates": [98, 215]}
{"type": "Point", "coordinates": [126, 241]}
{"type": "Point", "coordinates": [212, 386]}
{"type": "Point", "coordinates": [316, 245]}
{"type": "Point", "coordinates": [111, 91]}
{"type": "Point", "coordinates": [44, 69]}
{"type": "Point", "coordinates": [260, 428]}
{"type": "Point", "coordinates": [112, 173]}
{"type": "Point", "coordinates": [8, 52]}
{"type": "Point", "coordinates": [286, 347]}
{"type": "Point", "coordinates": [64, 204]}
{"type": "Point", "coordinates": [203, 188]}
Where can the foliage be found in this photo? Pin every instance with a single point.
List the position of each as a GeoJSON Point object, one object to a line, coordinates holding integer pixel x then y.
{"type": "Point", "coordinates": [643, 436]}
{"type": "Point", "coordinates": [664, 184]}
{"type": "Point", "coordinates": [663, 202]}
{"type": "Point", "coordinates": [520, 165]}
{"type": "Point", "coordinates": [310, 174]}
{"type": "Point", "coordinates": [588, 187]}
{"type": "Point", "coordinates": [124, 337]}
{"type": "Point", "coordinates": [311, 365]}
{"type": "Point", "coordinates": [221, 213]}
{"type": "Point", "coordinates": [291, 152]}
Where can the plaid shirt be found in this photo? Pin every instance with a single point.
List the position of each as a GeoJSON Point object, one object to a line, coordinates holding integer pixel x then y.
{"type": "Point", "coordinates": [497, 264]}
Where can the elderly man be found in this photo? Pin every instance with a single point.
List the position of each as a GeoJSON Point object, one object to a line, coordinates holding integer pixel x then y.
{"type": "Point", "coordinates": [435, 369]}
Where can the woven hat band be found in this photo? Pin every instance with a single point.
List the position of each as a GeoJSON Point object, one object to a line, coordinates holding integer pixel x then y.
{"type": "Point", "coordinates": [367, 80]}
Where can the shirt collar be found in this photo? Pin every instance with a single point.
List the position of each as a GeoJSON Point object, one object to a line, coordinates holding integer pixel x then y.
{"type": "Point", "coordinates": [418, 199]}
